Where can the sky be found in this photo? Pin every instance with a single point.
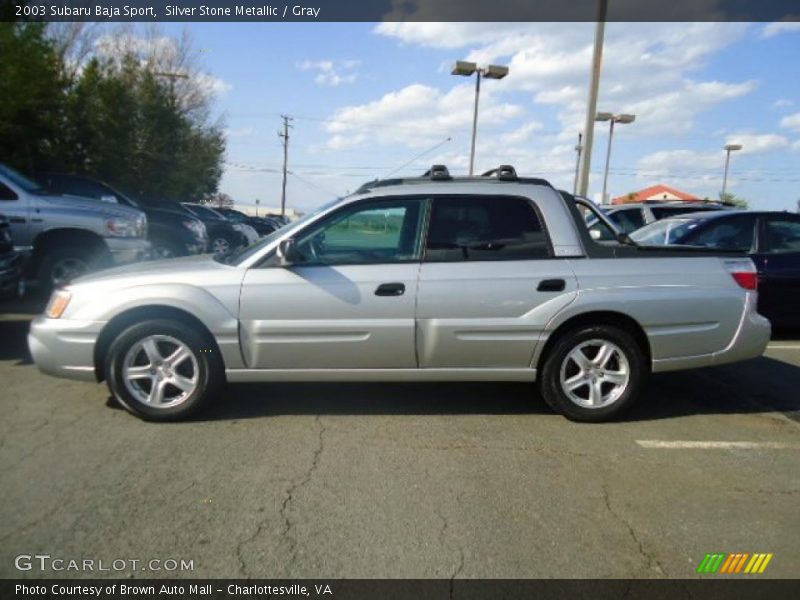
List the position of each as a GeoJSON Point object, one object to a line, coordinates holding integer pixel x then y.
{"type": "Point", "coordinates": [366, 99]}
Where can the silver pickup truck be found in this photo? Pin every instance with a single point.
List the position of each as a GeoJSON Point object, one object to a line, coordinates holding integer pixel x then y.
{"type": "Point", "coordinates": [426, 279]}
{"type": "Point", "coordinates": [66, 236]}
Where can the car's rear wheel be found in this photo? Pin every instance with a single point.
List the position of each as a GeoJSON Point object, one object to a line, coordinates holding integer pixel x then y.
{"type": "Point", "coordinates": [163, 370]}
{"type": "Point", "coordinates": [593, 373]}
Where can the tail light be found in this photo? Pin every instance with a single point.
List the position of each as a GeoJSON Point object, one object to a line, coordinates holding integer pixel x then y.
{"type": "Point", "coordinates": [744, 272]}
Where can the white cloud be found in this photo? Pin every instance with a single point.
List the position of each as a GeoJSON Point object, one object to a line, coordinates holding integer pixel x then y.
{"type": "Point", "coordinates": [782, 103]}
{"type": "Point", "coordinates": [330, 72]}
{"type": "Point", "coordinates": [758, 143]}
{"type": "Point", "coordinates": [791, 122]}
{"type": "Point", "coordinates": [778, 27]}
{"type": "Point", "coordinates": [417, 116]}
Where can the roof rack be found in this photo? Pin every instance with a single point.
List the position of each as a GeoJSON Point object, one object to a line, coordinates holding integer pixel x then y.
{"type": "Point", "coordinates": [441, 173]}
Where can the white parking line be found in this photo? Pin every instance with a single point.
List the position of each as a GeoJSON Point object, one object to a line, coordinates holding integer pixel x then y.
{"type": "Point", "coordinates": [783, 346]}
{"type": "Point", "coordinates": [715, 445]}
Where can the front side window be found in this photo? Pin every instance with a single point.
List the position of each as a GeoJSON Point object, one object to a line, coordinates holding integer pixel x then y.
{"type": "Point", "coordinates": [783, 235]}
{"type": "Point", "coordinates": [725, 234]}
{"type": "Point", "coordinates": [481, 228]}
{"type": "Point", "coordinates": [368, 233]}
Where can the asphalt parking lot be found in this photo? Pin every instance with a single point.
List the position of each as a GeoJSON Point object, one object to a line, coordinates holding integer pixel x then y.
{"type": "Point", "coordinates": [423, 481]}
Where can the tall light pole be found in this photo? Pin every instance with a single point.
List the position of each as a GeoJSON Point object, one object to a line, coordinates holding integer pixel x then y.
{"type": "Point", "coordinates": [591, 105]}
{"type": "Point", "coordinates": [578, 149]}
{"type": "Point", "coordinates": [728, 149]}
{"type": "Point", "coordinates": [611, 118]}
{"type": "Point", "coordinates": [466, 69]}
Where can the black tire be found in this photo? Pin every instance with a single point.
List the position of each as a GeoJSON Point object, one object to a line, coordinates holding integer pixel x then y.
{"type": "Point", "coordinates": [161, 248]}
{"type": "Point", "coordinates": [52, 268]}
{"type": "Point", "coordinates": [232, 244]}
{"type": "Point", "coordinates": [619, 397]}
{"type": "Point", "coordinates": [209, 370]}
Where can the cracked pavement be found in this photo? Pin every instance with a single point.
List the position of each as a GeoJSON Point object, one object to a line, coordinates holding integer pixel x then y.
{"type": "Point", "coordinates": [443, 481]}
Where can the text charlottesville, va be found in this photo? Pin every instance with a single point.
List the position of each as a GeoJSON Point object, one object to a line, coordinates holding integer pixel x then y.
{"type": "Point", "coordinates": [239, 11]}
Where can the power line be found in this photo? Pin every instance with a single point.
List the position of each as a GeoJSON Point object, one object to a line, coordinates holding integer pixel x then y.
{"type": "Point", "coordinates": [418, 156]}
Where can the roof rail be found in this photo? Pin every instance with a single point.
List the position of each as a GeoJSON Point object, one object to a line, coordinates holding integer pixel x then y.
{"type": "Point", "coordinates": [437, 173]}
{"type": "Point", "coordinates": [503, 173]}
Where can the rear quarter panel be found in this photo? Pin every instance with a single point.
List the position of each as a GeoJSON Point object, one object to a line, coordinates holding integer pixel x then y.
{"type": "Point", "coordinates": [686, 306]}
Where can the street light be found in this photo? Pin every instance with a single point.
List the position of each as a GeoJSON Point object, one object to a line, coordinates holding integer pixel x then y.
{"type": "Point", "coordinates": [611, 118]}
{"type": "Point", "coordinates": [728, 149]}
{"type": "Point", "coordinates": [466, 69]}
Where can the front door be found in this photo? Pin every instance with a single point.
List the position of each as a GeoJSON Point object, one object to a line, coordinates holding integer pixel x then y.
{"type": "Point", "coordinates": [348, 301]}
{"type": "Point", "coordinates": [778, 262]}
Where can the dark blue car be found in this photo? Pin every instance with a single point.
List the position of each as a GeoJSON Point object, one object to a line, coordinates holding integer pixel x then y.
{"type": "Point", "coordinates": [772, 239]}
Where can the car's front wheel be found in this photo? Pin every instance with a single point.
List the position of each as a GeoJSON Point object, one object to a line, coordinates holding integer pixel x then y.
{"type": "Point", "coordinates": [593, 373]}
{"type": "Point", "coordinates": [163, 370]}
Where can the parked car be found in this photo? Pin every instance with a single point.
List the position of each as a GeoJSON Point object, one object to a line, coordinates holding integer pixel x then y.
{"type": "Point", "coordinates": [171, 233]}
{"type": "Point", "coordinates": [62, 238]}
{"type": "Point", "coordinates": [630, 217]}
{"type": "Point", "coordinates": [223, 236]}
{"type": "Point", "coordinates": [260, 224]}
{"type": "Point", "coordinates": [771, 239]}
{"type": "Point", "coordinates": [280, 219]}
{"type": "Point", "coordinates": [429, 279]}
{"type": "Point", "coordinates": [11, 281]}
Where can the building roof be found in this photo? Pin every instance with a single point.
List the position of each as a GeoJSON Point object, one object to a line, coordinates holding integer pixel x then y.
{"type": "Point", "coordinates": [656, 192]}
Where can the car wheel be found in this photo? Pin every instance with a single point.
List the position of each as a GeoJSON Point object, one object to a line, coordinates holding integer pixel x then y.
{"type": "Point", "coordinates": [62, 265]}
{"type": "Point", "coordinates": [221, 246]}
{"type": "Point", "coordinates": [165, 249]}
{"type": "Point", "coordinates": [593, 373]}
{"type": "Point", "coordinates": [163, 370]}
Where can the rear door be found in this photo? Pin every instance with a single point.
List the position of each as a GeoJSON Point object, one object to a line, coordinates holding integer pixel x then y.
{"type": "Point", "coordinates": [778, 259]}
{"type": "Point", "coordinates": [488, 283]}
{"type": "Point", "coordinates": [349, 303]}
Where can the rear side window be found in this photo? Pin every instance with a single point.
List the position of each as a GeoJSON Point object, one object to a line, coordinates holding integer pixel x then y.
{"type": "Point", "coordinates": [627, 220]}
{"type": "Point", "coordinates": [664, 212]}
{"type": "Point", "coordinates": [479, 228]}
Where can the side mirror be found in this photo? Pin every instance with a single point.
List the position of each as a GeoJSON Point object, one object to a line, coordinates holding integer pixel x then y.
{"type": "Point", "coordinates": [287, 252]}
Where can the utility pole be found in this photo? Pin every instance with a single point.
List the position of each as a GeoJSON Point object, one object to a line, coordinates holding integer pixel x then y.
{"type": "Point", "coordinates": [578, 150]}
{"type": "Point", "coordinates": [285, 139]}
{"type": "Point", "coordinates": [591, 109]}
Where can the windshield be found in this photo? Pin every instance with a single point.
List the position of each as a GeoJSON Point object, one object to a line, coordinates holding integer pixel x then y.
{"type": "Point", "coordinates": [244, 253]}
{"type": "Point", "coordinates": [667, 231]}
{"type": "Point", "coordinates": [20, 180]}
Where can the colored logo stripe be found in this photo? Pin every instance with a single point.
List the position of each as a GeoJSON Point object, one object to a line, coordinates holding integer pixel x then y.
{"type": "Point", "coordinates": [734, 563]}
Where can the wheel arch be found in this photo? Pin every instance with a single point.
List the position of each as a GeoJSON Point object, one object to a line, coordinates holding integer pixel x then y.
{"type": "Point", "coordinates": [52, 238]}
{"type": "Point", "coordinates": [596, 317]}
{"type": "Point", "coordinates": [138, 314]}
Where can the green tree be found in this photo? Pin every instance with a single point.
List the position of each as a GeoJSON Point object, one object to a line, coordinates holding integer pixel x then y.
{"type": "Point", "coordinates": [728, 198]}
{"type": "Point", "coordinates": [31, 95]}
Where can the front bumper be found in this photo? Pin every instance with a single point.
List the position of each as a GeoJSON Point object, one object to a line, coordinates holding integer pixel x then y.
{"type": "Point", "coordinates": [64, 347]}
{"type": "Point", "coordinates": [128, 250]}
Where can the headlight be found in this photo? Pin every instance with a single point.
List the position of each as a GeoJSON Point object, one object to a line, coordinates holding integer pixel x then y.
{"type": "Point", "coordinates": [197, 228]}
{"type": "Point", "coordinates": [58, 304]}
{"type": "Point", "coordinates": [123, 228]}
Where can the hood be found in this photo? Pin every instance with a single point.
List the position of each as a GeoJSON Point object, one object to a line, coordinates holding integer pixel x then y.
{"type": "Point", "coordinates": [90, 205]}
{"type": "Point", "coordinates": [188, 269]}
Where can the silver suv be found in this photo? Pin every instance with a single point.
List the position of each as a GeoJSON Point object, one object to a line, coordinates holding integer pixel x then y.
{"type": "Point", "coordinates": [428, 279]}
